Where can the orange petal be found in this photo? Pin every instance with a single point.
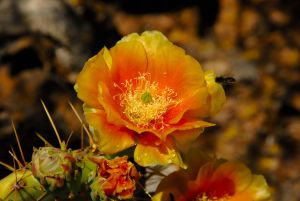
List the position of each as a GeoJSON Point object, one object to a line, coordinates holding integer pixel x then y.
{"type": "Point", "coordinates": [202, 182]}
{"type": "Point", "coordinates": [149, 139]}
{"type": "Point", "coordinates": [193, 100]}
{"type": "Point", "coordinates": [111, 106]}
{"type": "Point", "coordinates": [153, 155]}
{"type": "Point", "coordinates": [239, 173]}
{"type": "Point", "coordinates": [94, 70]}
{"type": "Point", "coordinates": [172, 68]}
{"type": "Point", "coordinates": [183, 125]}
{"type": "Point", "coordinates": [174, 184]}
{"type": "Point", "coordinates": [129, 59]}
{"type": "Point", "coordinates": [110, 138]}
{"type": "Point", "coordinates": [126, 61]}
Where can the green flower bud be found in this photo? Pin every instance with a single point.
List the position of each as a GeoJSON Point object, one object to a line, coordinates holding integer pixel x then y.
{"type": "Point", "coordinates": [52, 166]}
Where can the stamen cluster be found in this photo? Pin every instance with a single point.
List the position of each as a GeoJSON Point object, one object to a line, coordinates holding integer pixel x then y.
{"type": "Point", "coordinates": [204, 197]}
{"type": "Point", "coordinates": [144, 102]}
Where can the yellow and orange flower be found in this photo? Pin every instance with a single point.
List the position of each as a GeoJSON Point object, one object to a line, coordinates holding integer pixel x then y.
{"type": "Point", "coordinates": [147, 92]}
{"type": "Point", "coordinates": [213, 180]}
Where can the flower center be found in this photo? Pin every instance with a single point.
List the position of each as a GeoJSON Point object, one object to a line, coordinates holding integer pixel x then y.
{"type": "Point", "coordinates": [144, 103]}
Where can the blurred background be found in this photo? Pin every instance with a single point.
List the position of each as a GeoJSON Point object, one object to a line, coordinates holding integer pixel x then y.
{"type": "Point", "coordinates": [44, 44]}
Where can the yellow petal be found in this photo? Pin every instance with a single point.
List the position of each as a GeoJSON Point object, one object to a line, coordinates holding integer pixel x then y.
{"type": "Point", "coordinates": [152, 155]}
{"type": "Point", "coordinates": [151, 40]}
{"type": "Point", "coordinates": [109, 137]}
{"type": "Point", "coordinates": [94, 70]}
{"type": "Point", "coordinates": [106, 55]}
{"type": "Point", "coordinates": [259, 188]}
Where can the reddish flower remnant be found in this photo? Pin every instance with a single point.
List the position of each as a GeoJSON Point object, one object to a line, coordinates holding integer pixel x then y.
{"type": "Point", "coordinates": [118, 177]}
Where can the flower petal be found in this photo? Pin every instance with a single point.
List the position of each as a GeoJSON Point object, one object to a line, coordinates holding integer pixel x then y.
{"type": "Point", "coordinates": [94, 70]}
{"type": "Point", "coordinates": [201, 102]}
{"type": "Point", "coordinates": [126, 61]}
{"type": "Point", "coordinates": [129, 59]}
{"type": "Point", "coordinates": [151, 40]}
{"type": "Point", "coordinates": [111, 106]}
{"type": "Point", "coordinates": [145, 155]}
{"type": "Point", "coordinates": [109, 138]}
{"type": "Point", "coordinates": [239, 173]}
{"type": "Point", "coordinates": [183, 125]}
{"type": "Point", "coordinates": [202, 182]}
{"type": "Point", "coordinates": [174, 184]}
{"type": "Point", "coordinates": [106, 55]}
{"type": "Point", "coordinates": [172, 68]}
{"type": "Point", "coordinates": [193, 100]}
{"type": "Point", "coordinates": [258, 190]}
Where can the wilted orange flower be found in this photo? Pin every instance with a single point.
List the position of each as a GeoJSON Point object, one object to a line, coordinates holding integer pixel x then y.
{"type": "Point", "coordinates": [214, 180]}
{"type": "Point", "coordinates": [147, 92]}
{"type": "Point", "coordinates": [118, 177]}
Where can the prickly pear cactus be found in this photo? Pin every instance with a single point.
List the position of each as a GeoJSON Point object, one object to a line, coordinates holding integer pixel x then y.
{"type": "Point", "coordinates": [55, 174]}
{"type": "Point", "coordinates": [146, 116]}
{"type": "Point", "coordinates": [21, 185]}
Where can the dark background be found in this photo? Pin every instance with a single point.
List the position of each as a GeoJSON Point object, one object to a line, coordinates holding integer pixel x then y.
{"type": "Point", "coordinates": [44, 44]}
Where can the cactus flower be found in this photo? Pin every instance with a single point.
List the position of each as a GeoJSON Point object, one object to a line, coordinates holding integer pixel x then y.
{"type": "Point", "coordinates": [213, 180]}
{"type": "Point", "coordinates": [145, 91]}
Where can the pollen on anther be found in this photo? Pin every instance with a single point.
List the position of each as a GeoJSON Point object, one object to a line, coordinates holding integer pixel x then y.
{"type": "Point", "coordinates": [144, 102]}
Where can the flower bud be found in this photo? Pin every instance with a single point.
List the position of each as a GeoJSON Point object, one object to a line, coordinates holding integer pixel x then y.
{"type": "Point", "coordinates": [52, 166]}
